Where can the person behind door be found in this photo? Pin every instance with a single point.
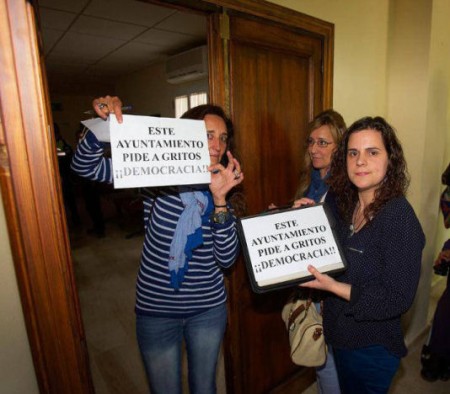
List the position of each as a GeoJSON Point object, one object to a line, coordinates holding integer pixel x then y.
{"type": "Point", "coordinates": [325, 133]}
{"type": "Point", "coordinates": [190, 236]}
{"type": "Point", "coordinates": [383, 242]}
{"type": "Point", "coordinates": [64, 153]}
{"type": "Point", "coordinates": [435, 355]}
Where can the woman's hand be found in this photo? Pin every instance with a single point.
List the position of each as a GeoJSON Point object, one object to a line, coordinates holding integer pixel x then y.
{"type": "Point", "coordinates": [103, 106]}
{"type": "Point", "coordinates": [223, 179]}
{"type": "Point", "coordinates": [302, 201]}
{"type": "Point", "coordinates": [444, 255]}
{"type": "Point", "coordinates": [327, 283]}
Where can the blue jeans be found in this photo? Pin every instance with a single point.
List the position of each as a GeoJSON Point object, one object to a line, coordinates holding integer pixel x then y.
{"type": "Point", "coordinates": [160, 342]}
{"type": "Point", "coordinates": [366, 370]}
{"type": "Point", "coordinates": [326, 376]}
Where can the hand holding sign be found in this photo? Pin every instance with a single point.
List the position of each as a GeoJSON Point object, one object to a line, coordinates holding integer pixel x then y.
{"type": "Point", "coordinates": [327, 283]}
{"type": "Point", "coordinates": [280, 246]}
{"type": "Point", "coordinates": [302, 202]}
{"type": "Point", "coordinates": [103, 106]}
{"type": "Point", "coordinates": [149, 151]}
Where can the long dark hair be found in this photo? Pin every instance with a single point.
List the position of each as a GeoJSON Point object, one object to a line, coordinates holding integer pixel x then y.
{"type": "Point", "coordinates": [201, 111]}
{"type": "Point", "coordinates": [395, 183]}
{"type": "Point", "coordinates": [235, 197]}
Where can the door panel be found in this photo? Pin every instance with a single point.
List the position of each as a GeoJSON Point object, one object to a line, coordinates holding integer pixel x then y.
{"type": "Point", "coordinates": [275, 88]}
{"type": "Point", "coordinates": [270, 142]}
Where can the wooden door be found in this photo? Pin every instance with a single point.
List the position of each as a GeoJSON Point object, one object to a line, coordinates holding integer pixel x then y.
{"type": "Point", "coordinates": [31, 193]}
{"type": "Point", "coordinates": [274, 77]}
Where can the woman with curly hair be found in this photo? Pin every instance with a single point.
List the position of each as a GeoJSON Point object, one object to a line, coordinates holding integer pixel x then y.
{"type": "Point", "coordinates": [383, 242]}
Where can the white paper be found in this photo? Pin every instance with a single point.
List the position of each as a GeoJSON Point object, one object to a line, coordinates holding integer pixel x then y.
{"type": "Point", "coordinates": [281, 246]}
{"type": "Point", "coordinates": [153, 151]}
{"type": "Point", "coordinates": [99, 127]}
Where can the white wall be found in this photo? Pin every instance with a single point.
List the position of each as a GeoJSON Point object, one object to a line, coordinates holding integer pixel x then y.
{"type": "Point", "coordinates": [146, 91]}
{"type": "Point", "coordinates": [149, 93]}
{"type": "Point", "coordinates": [17, 374]}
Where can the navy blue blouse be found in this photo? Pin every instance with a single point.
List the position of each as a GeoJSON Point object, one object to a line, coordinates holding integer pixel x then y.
{"type": "Point", "coordinates": [384, 261]}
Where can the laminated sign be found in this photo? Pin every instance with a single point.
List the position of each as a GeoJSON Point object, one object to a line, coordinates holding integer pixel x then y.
{"type": "Point", "coordinates": [278, 246]}
{"type": "Point", "coordinates": [151, 151]}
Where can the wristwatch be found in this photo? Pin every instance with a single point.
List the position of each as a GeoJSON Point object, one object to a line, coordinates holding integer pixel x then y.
{"type": "Point", "coordinates": [221, 217]}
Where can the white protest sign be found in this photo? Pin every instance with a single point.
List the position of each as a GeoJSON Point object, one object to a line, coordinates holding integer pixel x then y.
{"type": "Point", "coordinates": [152, 151]}
{"type": "Point", "coordinates": [280, 246]}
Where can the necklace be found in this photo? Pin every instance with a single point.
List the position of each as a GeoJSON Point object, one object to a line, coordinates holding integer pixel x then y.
{"type": "Point", "coordinates": [356, 224]}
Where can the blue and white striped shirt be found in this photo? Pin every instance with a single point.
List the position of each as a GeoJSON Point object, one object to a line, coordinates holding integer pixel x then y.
{"type": "Point", "coordinates": [203, 285]}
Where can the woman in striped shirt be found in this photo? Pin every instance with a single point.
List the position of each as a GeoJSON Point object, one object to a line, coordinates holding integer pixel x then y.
{"type": "Point", "coordinates": [190, 237]}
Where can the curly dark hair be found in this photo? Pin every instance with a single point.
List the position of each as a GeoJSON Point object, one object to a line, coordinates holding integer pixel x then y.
{"type": "Point", "coordinates": [395, 183]}
{"type": "Point", "coordinates": [201, 111]}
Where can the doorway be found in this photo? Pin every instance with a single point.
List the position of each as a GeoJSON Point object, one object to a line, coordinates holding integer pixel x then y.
{"type": "Point", "coordinates": [140, 52]}
{"type": "Point", "coordinates": [39, 235]}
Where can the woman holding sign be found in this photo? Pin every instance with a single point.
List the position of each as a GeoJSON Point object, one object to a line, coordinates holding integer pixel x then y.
{"type": "Point", "coordinates": [190, 237]}
{"type": "Point", "coordinates": [383, 243]}
{"type": "Point", "coordinates": [325, 134]}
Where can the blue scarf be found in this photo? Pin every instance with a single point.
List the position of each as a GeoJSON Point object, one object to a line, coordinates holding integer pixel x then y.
{"type": "Point", "coordinates": [317, 187]}
{"type": "Point", "coordinates": [188, 232]}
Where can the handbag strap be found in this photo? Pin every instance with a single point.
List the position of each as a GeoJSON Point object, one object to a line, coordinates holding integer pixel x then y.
{"type": "Point", "coordinates": [297, 311]}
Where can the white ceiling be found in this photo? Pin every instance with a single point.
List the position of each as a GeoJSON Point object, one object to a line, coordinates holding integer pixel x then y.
{"type": "Point", "coordinates": [109, 38]}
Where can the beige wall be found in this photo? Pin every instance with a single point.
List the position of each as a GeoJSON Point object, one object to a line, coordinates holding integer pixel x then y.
{"type": "Point", "coordinates": [418, 105]}
{"type": "Point", "coordinates": [16, 367]}
{"type": "Point", "coordinates": [392, 59]}
{"type": "Point", "coordinates": [437, 144]}
{"type": "Point", "coordinates": [360, 52]}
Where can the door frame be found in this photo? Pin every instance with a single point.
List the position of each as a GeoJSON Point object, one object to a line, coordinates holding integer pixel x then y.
{"type": "Point", "coordinates": [31, 191]}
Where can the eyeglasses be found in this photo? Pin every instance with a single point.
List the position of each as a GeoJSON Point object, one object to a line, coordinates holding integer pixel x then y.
{"type": "Point", "coordinates": [321, 143]}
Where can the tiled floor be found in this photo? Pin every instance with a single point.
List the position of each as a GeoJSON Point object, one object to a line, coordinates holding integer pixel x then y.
{"type": "Point", "coordinates": [106, 270]}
